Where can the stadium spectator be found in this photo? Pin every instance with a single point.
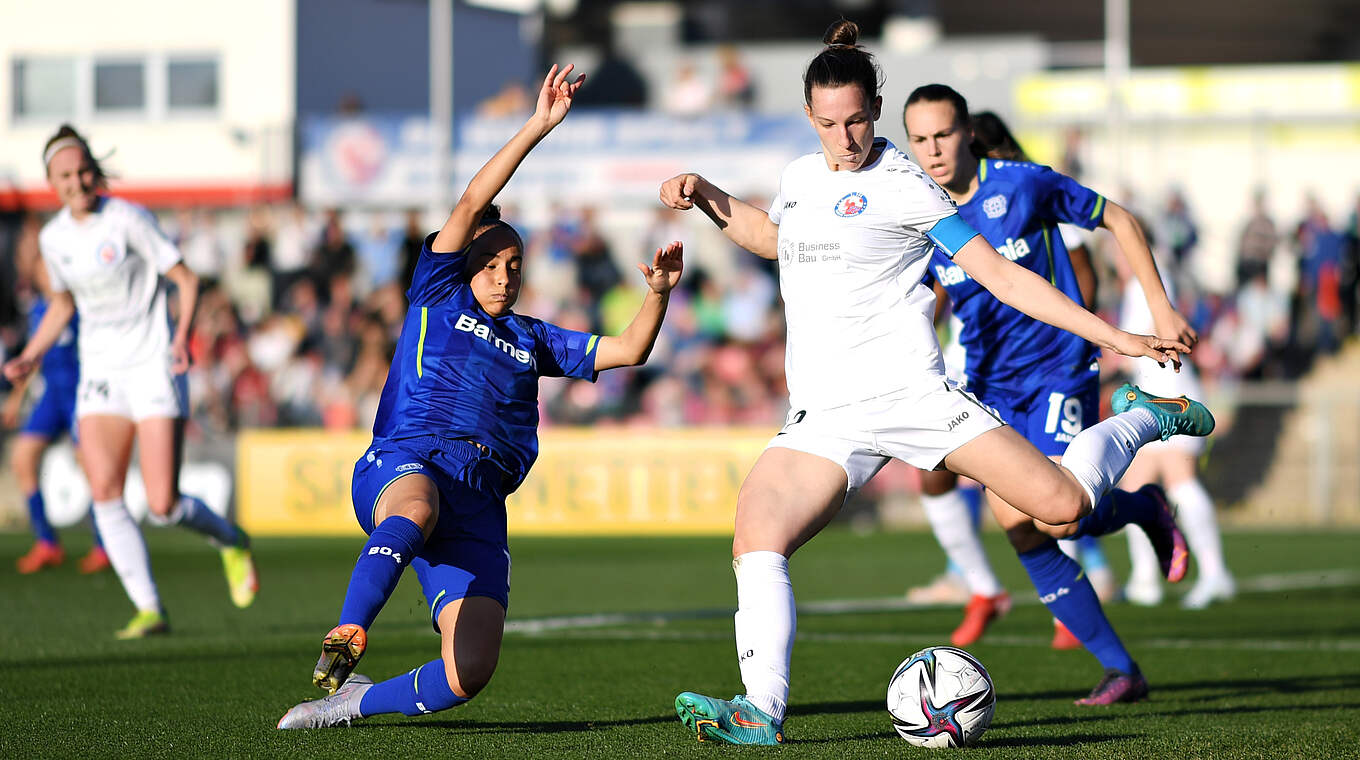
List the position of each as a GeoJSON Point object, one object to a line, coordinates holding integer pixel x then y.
{"type": "Point", "coordinates": [736, 87]}
{"type": "Point", "coordinates": [687, 95]}
{"type": "Point", "coordinates": [1257, 241]}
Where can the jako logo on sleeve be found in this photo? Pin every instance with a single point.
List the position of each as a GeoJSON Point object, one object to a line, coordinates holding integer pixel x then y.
{"type": "Point", "coordinates": [410, 467]}
{"type": "Point", "coordinates": [467, 324]}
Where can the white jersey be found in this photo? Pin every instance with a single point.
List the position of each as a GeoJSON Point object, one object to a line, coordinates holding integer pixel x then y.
{"type": "Point", "coordinates": [112, 264]}
{"type": "Point", "coordinates": [852, 251]}
{"type": "Point", "coordinates": [1135, 317]}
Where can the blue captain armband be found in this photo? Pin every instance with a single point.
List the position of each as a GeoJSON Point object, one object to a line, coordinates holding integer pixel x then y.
{"type": "Point", "coordinates": [951, 233]}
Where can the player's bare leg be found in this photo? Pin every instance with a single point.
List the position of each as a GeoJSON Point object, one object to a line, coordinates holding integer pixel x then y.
{"type": "Point", "coordinates": [785, 500]}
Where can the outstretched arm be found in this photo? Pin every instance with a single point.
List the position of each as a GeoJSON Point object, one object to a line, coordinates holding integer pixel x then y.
{"type": "Point", "coordinates": [1133, 245]}
{"type": "Point", "coordinates": [1022, 289]}
{"type": "Point", "coordinates": [742, 223]}
{"type": "Point", "coordinates": [631, 347]}
{"type": "Point", "coordinates": [554, 100]}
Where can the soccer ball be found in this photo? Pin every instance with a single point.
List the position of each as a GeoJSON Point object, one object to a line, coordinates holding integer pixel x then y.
{"type": "Point", "coordinates": [941, 697]}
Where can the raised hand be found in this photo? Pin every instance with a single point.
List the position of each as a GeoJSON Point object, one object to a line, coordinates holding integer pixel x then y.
{"type": "Point", "coordinates": [555, 97]}
{"type": "Point", "coordinates": [1158, 349]}
{"type": "Point", "coordinates": [678, 192]}
{"type": "Point", "coordinates": [667, 265]}
{"type": "Point", "coordinates": [1173, 325]}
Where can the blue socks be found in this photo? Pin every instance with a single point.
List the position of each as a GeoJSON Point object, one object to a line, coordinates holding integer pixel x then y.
{"type": "Point", "coordinates": [1065, 590]}
{"type": "Point", "coordinates": [94, 529]}
{"type": "Point", "coordinates": [419, 692]}
{"type": "Point", "coordinates": [390, 548]}
{"type": "Point", "coordinates": [37, 517]}
{"type": "Point", "coordinates": [1116, 510]}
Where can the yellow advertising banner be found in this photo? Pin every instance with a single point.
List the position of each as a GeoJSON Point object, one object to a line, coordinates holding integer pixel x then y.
{"type": "Point", "coordinates": [587, 481]}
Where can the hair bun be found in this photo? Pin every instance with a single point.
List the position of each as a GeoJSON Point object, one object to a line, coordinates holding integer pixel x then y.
{"type": "Point", "coordinates": [492, 213]}
{"type": "Point", "coordinates": [843, 32]}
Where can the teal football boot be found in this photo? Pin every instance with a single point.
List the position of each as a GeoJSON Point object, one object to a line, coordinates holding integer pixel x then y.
{"type": "Point", "coordinates": [1175, 416]}
{"type": "Point", "coordinates": [734, 722]}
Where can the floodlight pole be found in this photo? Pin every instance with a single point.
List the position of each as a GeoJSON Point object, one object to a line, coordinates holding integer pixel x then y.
{"type": "Point", "coordinates": [441, 105]}
{"type": "Point", "coordinates": [1116, 76]}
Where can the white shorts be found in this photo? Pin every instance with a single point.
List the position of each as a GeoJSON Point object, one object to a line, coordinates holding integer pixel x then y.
{"type": "Point", "coordinates": [138, 393]}
{"type": "Point", "coordinates": [917, 428]}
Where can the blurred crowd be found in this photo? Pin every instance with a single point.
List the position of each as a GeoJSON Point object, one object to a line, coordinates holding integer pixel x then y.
{"type": "Point", "coordinates": [1292, 295]}
{"type": "Point", "coordinates": [297, 323]}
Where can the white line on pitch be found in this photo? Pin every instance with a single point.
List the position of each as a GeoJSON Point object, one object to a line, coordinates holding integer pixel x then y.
{"type": "Point", "coordinates": [1274, 582]}
{"type": "Point", "coordinates": [635, 634]}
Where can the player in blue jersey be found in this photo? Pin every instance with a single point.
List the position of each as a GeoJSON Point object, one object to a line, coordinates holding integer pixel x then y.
{"type": "Point", "coordinates": [52, 417]}
{"type": "Point", "coordinates": [1042, 380]}
{"type": "Point", "coordinates": [456, 432]}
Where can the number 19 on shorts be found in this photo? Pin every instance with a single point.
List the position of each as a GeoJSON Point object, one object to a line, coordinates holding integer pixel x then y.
{"type": "Point", "coordinates": [1064, 419]}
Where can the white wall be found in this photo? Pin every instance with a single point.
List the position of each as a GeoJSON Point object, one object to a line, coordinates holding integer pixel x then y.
{"type": "Point", "coordinates": [247, 141]}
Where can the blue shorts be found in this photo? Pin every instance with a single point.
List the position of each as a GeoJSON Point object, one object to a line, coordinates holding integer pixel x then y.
{"type": "Point", "coordinates": [54, 414]}
{"type": "Point", "coordinates": [467, 554]}
{"type": "Point", "coordinates": [1049, 415]}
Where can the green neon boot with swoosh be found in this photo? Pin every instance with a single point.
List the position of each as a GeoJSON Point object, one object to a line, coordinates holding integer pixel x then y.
{"type": "Point", "coordinates": [1175, 416]}
{"type": "Point", "coordinates": [735, 722]}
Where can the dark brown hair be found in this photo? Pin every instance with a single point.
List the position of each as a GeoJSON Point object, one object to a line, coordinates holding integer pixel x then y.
{"type": "Point", "coordinates": [66, 131]}
{"type": "Point", "coordinates": [490, 219]}
{"type": "Point", "coordinates": [993, 139]}
{"type": "Point", "coordinates": [843, 62]}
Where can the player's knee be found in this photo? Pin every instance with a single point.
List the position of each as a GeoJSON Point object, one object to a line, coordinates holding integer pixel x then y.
{"type": "Point", "coordinates": [470, 673]}
{"type": "Point", "coordinates": [1025, 536]}
{"type": "Point", "coordinates": [160, 504]}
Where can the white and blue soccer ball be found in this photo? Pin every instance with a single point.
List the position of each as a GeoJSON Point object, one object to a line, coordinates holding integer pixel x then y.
{"type": "Point", "coordinates": [941, 697]}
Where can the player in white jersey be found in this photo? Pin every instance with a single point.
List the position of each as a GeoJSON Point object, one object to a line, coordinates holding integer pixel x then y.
{"type": "Point", "coordinates": [852, 228]}
{"type": "Point", "coordinates": [1173, 464]}
{"type": "Point", "coordinates": [107, 258]}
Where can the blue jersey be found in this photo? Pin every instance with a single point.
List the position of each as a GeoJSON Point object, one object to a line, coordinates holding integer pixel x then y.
{"type": "Point", "coordinates": [1017, 208]}
{"type": "Point", "coordinates": [61, 364]}
{"type": "Point", "coordinates": [461, 373]}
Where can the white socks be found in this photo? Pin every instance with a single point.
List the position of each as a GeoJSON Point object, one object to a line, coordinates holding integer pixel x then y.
{"type": "Point", "coordinates": [1195, 513]}
{"type": "Point", "coordinates": [1100, 454]}
{"type": "Point", "coordinates": [193, 514]}
{"type": "Point", "coordinates": [953, 527]}
{"type": "Point", "coordinates": [1144, 570]}
{"type": "Point", "coordinates": [127, 553]}
{"type": "Point", "coordinates": [765, 623]}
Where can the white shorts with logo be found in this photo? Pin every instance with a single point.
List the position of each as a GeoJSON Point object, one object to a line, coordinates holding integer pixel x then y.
{"type": "Point", "coordinates": [917, 428]}
{"type": "Point", "coordinates": [141, 392]}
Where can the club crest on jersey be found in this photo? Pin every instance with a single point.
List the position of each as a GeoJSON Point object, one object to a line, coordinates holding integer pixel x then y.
{"type": "Point", "coordinates": [107, 253]}
{"type": "Point", "coordinates": [994, 207]}
{"type": "Point", "coordinates": [853, 204]}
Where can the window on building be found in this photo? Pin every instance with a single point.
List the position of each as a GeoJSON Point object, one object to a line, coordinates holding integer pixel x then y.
{"type": "Point", "coordinates": [192, 83]}
{"type": "Point", "coordinates": [44, 87]}
{"type": "Point", "coordinates": [119, 85]}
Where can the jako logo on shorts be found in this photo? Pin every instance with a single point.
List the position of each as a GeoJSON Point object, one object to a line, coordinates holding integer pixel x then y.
{"type": "Point", "coordinates": [410, 466]}
{"type": "Point", "coordinates": [853, 204]}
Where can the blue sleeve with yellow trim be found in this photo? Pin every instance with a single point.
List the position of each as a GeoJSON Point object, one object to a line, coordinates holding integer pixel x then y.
{"type": "Point", "coordinates": [437, 276]}
{"type": "Point", "coordinates": [565, 353]}
{"type": "Point", "coordinates": [1066, 200]}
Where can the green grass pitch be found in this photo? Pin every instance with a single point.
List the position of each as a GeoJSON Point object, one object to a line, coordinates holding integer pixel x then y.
{"type": "Point", "coordinates": [1275, 673]}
